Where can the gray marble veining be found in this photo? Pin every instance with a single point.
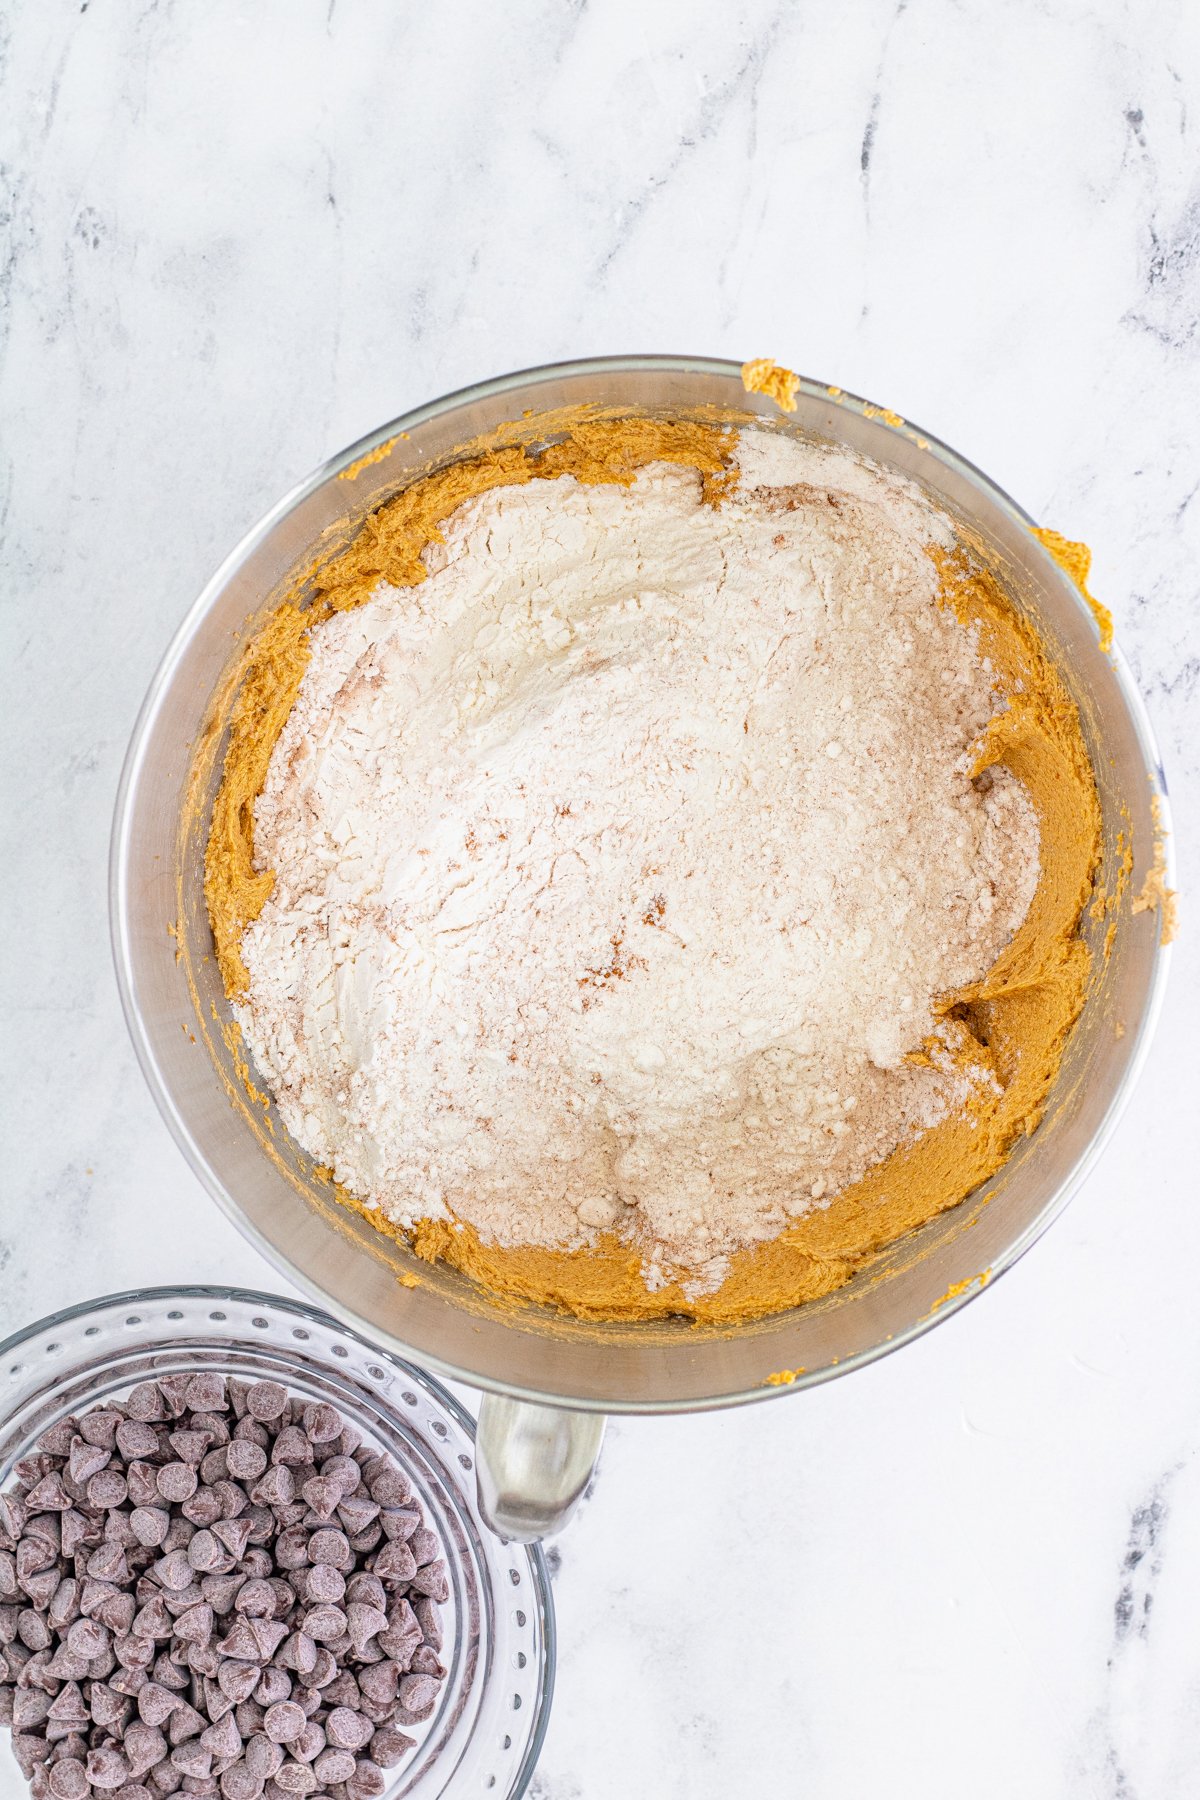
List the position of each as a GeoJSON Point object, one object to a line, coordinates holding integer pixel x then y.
{"type": "Point", "coordinates": [237, 237]}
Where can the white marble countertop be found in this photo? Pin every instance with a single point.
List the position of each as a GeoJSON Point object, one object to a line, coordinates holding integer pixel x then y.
{"type": "Point", "coordinates": [241, 236]}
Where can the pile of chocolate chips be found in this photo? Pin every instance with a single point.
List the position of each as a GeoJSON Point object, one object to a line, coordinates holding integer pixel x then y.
{"type": "Point", "coordinates": [214, 1588]}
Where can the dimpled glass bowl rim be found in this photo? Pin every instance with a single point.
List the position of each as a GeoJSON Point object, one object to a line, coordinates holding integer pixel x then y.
{"type": "Point", "coordinates": [40, 1362]}
{"type": "Point", "coordinates": [365, 451]}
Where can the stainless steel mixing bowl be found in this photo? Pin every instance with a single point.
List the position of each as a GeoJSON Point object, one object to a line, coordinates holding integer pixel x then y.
{"type": "Point", "coordinates": [535, 1454]}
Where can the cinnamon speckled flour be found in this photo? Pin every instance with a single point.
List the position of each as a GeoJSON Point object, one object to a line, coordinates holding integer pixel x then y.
{"type": "Point", "coordinates": [621, 864]}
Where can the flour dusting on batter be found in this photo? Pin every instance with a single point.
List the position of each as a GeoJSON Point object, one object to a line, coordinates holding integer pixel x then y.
{"type": "Point", "coordinates": [621, 865]}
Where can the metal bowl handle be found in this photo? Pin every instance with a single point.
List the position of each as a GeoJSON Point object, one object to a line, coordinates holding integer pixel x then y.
{"type": "Point", "coordinates": [533, 1464]}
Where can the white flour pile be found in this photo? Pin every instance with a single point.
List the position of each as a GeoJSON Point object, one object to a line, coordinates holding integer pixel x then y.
{"type": "Point", "coordinates": [619, 864]}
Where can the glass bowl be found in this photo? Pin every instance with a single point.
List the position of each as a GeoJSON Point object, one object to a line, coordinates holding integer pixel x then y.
{"type": "Point", "coordinates": [486, 1732]}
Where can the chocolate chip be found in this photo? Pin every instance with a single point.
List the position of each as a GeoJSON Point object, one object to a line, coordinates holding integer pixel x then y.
{"type": "Point", "coordinates": [132, 1652]}
{"type": "Point", "coordinates": [107, 1561]}
{"type": "Point", "coordinates": [299, 1652]}
{"type": "Point", "coordinates": [237, 1680]}
{"type": "Point", "coordinates": [69, 1781]}
{"type": "Point", "coordinates": [129, 1682]}
{"type": "Point", "coordinates": [363, 1542]}
{"type": "Point", "coordinates": [418, 1693]}
{"type": "Point", "coordinates": [266, 1400]}
{"type": "Point", "coordinates": [221, 1591]}
{"type": "Point", "coordinates": [364, 1623]}
{"type": "Point", "coordinates": [108, 1489]}
{"type": "Point", "coordinates": [388, 1746]}
{"type": "Point", "coordinates": [184, 1723]}
{"type": "Point", "coordinates": [324, 1585]}
{"type": "Point", "coordinates": [153, 1620]}
{"type": "Point", "coordinates": [431, 1580]}
{"type": "Point", "coordinates": [177, 1481]}
{"type": "Point", "coordinates": [356, 1513]}
{"type": "Point", "coordinates": [322, 1423]}
{"type": "Point", "coordinates": [388, 1487]}
{"type": "Point", "coordinates": [295, 1514]}
{"type": "Point", "coordinates": [239, 1643]}
{"type": "Point", "coordinates": [30, 1469]}
{"type": "Point", "coordinates": [30, 1709]}
{"type": "Point", "coordinates": [429, 1619]}
{"type": "Point", "coordinates": [117, 1529]}
{"type": "Point", "coordinates": [68, 1705]}
{"type": "Point", "coordinates": [295, 1778]}
{"type": "Point", "coordinates": [174, 1570]}
{"type": "Point", "coordinates": [274, 1684]}
{"type": "Point", "coordinates": [169, 1675]}
{"type": "Point", "coordinates": [343, 1691]}
{"type": "Point", "coordinates": [322, 1493]}
{"type": "Point", "coordinates": [268, 1634]}
{"type": "Point", "coordinates": [223, 1738]}
{"type": "Point", "coordinates": [195, 1626]}
{"type": "Point", "coordinates": [204, 1507]}
{"type": "Point", "coordinates": [205, 1392]}
{"type": "Point", "coordinates": [13, 1513]}
{"type": "Point", "coordinates": [32, 1629]}
{"type": "Point", "coordinates": [256, 1599]}
{"type": "Point", "coordinates": [249, 1715]}
{"type": "Point", "coordinates": [100, 1426]}
{"type": "Point", "coordinates": [191, 1758]}
{"type": "Point", "coordinates": [29, 1751]}
{"type": "Point", "coordinates": [156, 1703]}
{"type": "Point", "coordinates": [395, 1563]}
{"type": "Point", "coordinates": [345, 1471]}
{"type": "Point", "coordinates": [204, 1553]}
{"type": "Point", "coordinates": [135, 1439]}
{"type": "Point", "coordinates": [190, 1446]}
{"type": "Point", "coordinates": [49, 1495]}
{"type": "Point", "coordinates": [249, 1431]}
{"type": "Point", "coordinates": [87, 1460]}
{"type": "Point", "coordinates": [174, 1390]}
{"type": "Point", "coordinates": [142, 1478]}
{"type": "Point", "coordinates": [145, 1403]}
{"type": "Point", "coordinates": [234, 1505]}
{"type": "Point", "coordinates": [291, 1447]}
{"type": "Point", "coordinates": [233, 1535]}
{"type": "Point", "coordinates": [86, 1638]}
{"type": "Point", "coordinates": [425, 1662]}
{"type": "Point", "coordinates": [145, 1746]}
{"type": "Point", "coordinates": [366, 1589]}
{"type": "Point", "coordinates": [423, 1545]}
{"type": "Point", "coordinates": [277, 1487]}
{"type": "Point", "coordinates": [328, 1545]}
{"type": "Point", "coordinates": [284, 1721]}
{"type": "Point", "coordinates": [332, 1766]}
{"type": "Point", "coordinates": [325, 1623]}
{"type": "Point", "coordinates": [292, 1548]}
{"type": "Point", "coordinates": [216, 1424]}
{"type": "Point", "coordinates": [245, 1461]}
{"type": "Point", "coordinates": [107, 1769]}
{"type": "Point", "coordinates": [347, 1730]}
{"type": "Point", "coordinates": [238, 1783]}
{"type": "Point", "coordinates": [367, 1781]}
{"type": "Point", "coordinates": [263, 1757]}
{"type": "Point", "coordinates": [205, 1660]}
